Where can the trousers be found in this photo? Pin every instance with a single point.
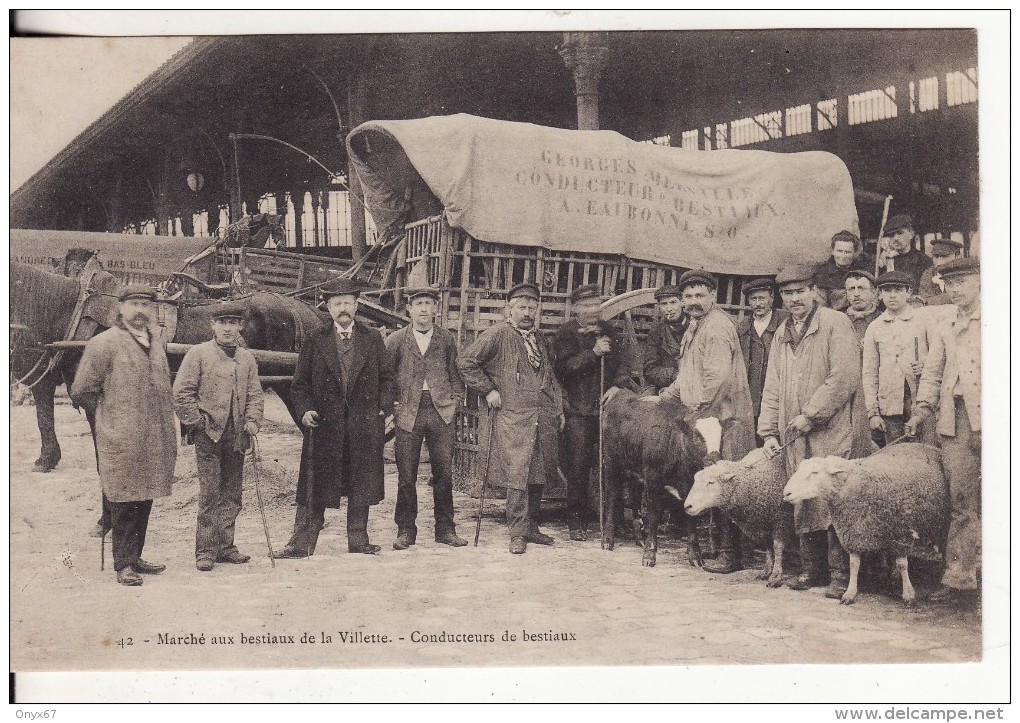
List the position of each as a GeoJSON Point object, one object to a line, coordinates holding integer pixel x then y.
{"type": "Point", "coordinates": [522, 510]}
{"type": "Point", "coordinates": [220, 471]}
{"type": "Point", "coordinates": [308, 524]}
{"type": "Point", "coordinates": [439, 437]}
{"type": "Point", "coordinates": [129, 521]}
{"type": "Point", "coordinates": [961, 457]}
{"type": "Point", "coordinates": [581, 441]}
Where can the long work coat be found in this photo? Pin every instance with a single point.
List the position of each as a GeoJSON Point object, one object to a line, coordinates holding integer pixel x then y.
{"type": "Point", "coordinates": [527, 425]}
{"type": "Point", "coordinates": [817, 378]}
{"type": "Point", "coordinates": [129, 389]}
{"type": "Point", "coordinates": [756, 350]}
{"type": "Point", "coordinates": [348, 445]}
{"type": "Point", "coordinates": [713, 379]}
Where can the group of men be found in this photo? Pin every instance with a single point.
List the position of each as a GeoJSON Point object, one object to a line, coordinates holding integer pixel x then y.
{"type": "Point", "coordinates": [803, 380]}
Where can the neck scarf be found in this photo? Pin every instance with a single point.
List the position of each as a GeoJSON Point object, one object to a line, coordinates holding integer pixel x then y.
{"type": "Point", "coordinates": [856, 315]}
{"type": "Point", "coordinates": [531, 344]}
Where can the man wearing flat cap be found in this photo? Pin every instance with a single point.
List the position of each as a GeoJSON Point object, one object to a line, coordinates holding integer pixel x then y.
{"type": "Point", "coordinates": [511, 366]}
{"type": "Point", "coordinates": [895, 346]}
{"type": "Point", "coordinates": [423, 360]}
{"type": "Point", "coordinates": [219, 401]}
{"type": "Point", "coordinates": [862, 295]}
{"type": "Point", "coordinates": [581, 346]}
{"type": "Point", "coordinates": [662, 349]}
{"type": "Point", "coordinates": [342, 391]}
{"type": "Point", "coordinates": [950, 388]}
{"type": "Point", "coordinates": [930, 288]}
{"type": "Point", "coordinates": [807, 405]}
{"type": "Point", "coordinates": [124, 380]}
{"type": "Point", "coordinates": [712, 382]}
{"type": "Point", "coordinates": [756, 333]}
{"type": "Point", "coordinates": [900, 253]}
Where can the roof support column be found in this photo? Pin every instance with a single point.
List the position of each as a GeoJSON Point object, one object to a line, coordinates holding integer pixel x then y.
{"type": "Point", "coordinates": [585, 55]}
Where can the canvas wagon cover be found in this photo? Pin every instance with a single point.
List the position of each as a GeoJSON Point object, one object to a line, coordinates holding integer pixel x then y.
{"type": "Point", "coordinates": [736, 211]}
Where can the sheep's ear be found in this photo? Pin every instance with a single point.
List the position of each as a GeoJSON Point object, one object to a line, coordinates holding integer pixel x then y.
{"type": "Point", "coordinates": [836, 465]}
{"type": "Point", "coordinates": [728, 476]}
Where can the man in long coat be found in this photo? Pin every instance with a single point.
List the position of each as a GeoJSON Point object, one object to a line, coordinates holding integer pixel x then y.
{"type": "Point", "coordinates": [662, 348]}
{"type": "Point", "coordinates": [581, 347]}
{"type": "Point", "coordinates": [756, 333]}
{"type": "Point", "coordinates": [712, 382]}
{"type": "Point", "coordinates": [342, 391]}
{"type": "Point", "coordinates": [124, 379]}
{"type": "Point", "coordinates": [814, 372]}
{"type": "Point", "coordinates": [511, 366]}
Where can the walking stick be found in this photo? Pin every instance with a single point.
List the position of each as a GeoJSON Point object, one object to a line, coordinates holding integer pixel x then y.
{"type": "Point", "coordinates": [310, 496]}
{"type": "Point", "coordinates": [102, 552]}
{"type": "Point", "coordinates": [485, 478]}
{"type": "Point", "coordinates": [602, 481]}
{"type": "Point", "coordinates": [258, 495]}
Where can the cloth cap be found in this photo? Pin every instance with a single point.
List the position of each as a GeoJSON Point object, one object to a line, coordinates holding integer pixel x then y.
{"type": "Point", "coordinates": [895, 278]}
{"type": "Point", "coordinates": [958, 267]}
{"type": "Point", "coordinates": [529, 290]}
{"type": "Point", "coordinates": [897, 222]}
{"type": "Point", "coordinates": [591, 291]}
{"type": "Point", "coordinates": [339, 287]}
{"type": "Point", "coordinates": [137, 291]}
{"type": "Point", "coordinates": [414, 293]}
{"type": "Point", "coordinates": [697, 276]}
{"type": "Point", "coordinates": [664, 292]}
{"type": "Point", "coordinates": [862, 274]}
{"type": "Point", "coordinates": [761, 284]}
{"type": "Point", "coordinates": [229, 310]}
{"type": "Point", "coordinates": [798, 272]}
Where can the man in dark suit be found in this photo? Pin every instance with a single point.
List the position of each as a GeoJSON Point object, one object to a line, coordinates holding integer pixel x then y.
{"type": "Point", "coordinates": [756, 333]}
{"type": "Point", "coordinates": [423, 359]}
{"type": "Point", "coordinates": [343, 389]}
{"type": "Point", "coordinates": [662, 350]}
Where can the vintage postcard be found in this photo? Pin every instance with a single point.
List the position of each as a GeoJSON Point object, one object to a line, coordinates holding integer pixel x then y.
{"type": "Point", "coordinates": [536, 345]}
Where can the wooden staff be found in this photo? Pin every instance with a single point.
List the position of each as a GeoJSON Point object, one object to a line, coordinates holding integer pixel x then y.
{"type": "Point", "coordinates": [258, 495]}
{"type": "Point", "coordinates": [310, 496]}
{"type": "Point", "coordinates": [485, 478]}
{"type": "Point", "coordinates": [602, 476]}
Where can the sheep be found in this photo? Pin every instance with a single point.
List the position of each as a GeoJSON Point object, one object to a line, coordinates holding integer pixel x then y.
{"type": "Point", "coordinates": [885, 502]}
{"type": "Point", "coordinates": [750, 492]}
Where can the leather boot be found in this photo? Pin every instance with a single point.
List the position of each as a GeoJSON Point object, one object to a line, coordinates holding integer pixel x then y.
{"type": "Point", "coordinates": [811, 574]}
{"type": "Point", "coordinates": [405, 538]}
{"type": "Point", "coordinates": [839, 567]}
{"type": "Point", "coordinates": [729, 559]}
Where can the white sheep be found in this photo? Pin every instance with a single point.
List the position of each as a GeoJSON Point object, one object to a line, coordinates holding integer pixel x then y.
{"type": "Point", "coordinates": [882, 503]}
{"type": "Point", "coordinates": [749, 492]}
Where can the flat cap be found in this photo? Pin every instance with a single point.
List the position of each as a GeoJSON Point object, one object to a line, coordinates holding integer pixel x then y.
{"type": "Point", "coordinates": [897, 222]}
{"type": "Point", "coordinates": [664, 292]}
{"type": "Point", "coordinates": [795, 273]}
{"type": "Point", "coordinates": [137, 291]}
{"type": "Point", "coordinates": [761, 284]}
{"type": "Point", "coordinates": [958, 267]}
{"type": "Point", "coordinates": [339, 287]}
{"type": "Point", "coordinates": [862, 274]}
{"type": "Point", "coordinates": [947, 246]}
{"type": "Point", "coordinates": [414, 293]}
{"type": "Point", "coordinates": [697, 276]}
{"type": "Point", "coordinates": [529, 290]}
{"type": "Point", "coordinates": [895, 278]}
{"type": "Point", "coordinates": [591, 291]}
{"type": "Point", "coordinates": [229, 309]}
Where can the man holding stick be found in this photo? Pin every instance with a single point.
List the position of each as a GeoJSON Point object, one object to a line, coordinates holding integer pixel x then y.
{"type": "Point", "coordinates": [219, 401]}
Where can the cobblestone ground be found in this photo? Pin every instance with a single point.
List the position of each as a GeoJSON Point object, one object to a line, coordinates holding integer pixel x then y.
{"type": "Point", "coordinates": [586, 605]}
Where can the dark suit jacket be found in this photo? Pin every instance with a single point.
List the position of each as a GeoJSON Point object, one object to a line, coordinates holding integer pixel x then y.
{"type": "Point", "coordinates": [756, 353]}
{"type": "Point", "coordinates": [348, 454]}
{"type": "Point", "coordinates": [438, 367]}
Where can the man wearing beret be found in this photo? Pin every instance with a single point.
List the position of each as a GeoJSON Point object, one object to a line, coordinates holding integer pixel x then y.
{"type": "Point", "coordinates": [756, 333]}
{"type": "Point", "coordinates": [423, 361]}
{"type": "Point", "coordinates": [662, 349]}
{"type": "Point", "coordinates": [580, 347]}
{"type": "Point", "coordinates": [219, 401]}
{"type": "Point", "coordinates": [343, 390]}
{"type": "Point", "coordinates": [807, 405]}
{"type": "Point", "coordinates": [930, 289]}
{"type": "Point", "coordinates": [895, 346]}
{"type": "Point", "coordinates": [124, 380]}
{"type": "Point", "coordinates": [950, 388]}
{"type": "Point", "coordinates": [900, 253]}
{"type": "Point", "coordinates": [511, 366]}
{"type": "Point", "coordinates": [712, 382]}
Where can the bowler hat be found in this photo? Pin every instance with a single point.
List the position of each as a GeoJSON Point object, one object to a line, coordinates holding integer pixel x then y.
{"type": "Point", "coordinates": [897, 222]}
{"type": "Point", "coordinates": [137, 291]}
{"type": "Point", "coordinates": [591, 291]}
{"type": "Point", "coordinates": [229, 310]}
{"type": "Point", "coordinates": [529, 290]}
{"type": "Point", "coordinates": [895, 278]}
{"type": "Point", "coordinates": [339, 287]}
{"type": "Point", "coordinates": [664, 292]}
{"type": "Point", "coordinates": [862, 274]}
{"type": "Point", "coordinates": [428, 291]}
{"type": "Point", "coordinates": [760, 284]}
{"type": "Point", "coordinates": [795, 273]}
{"type": "Point", "coordinates": [959, 267]}
{"type": "Point", "coordinates": [697, 276]}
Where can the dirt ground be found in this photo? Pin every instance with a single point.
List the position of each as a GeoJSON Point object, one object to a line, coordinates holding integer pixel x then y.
{"type": "Point", "coordinates": [586, 606]}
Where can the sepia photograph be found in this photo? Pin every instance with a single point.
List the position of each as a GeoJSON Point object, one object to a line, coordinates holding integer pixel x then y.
{"type": "Point", "coordinates": [530, 342]}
